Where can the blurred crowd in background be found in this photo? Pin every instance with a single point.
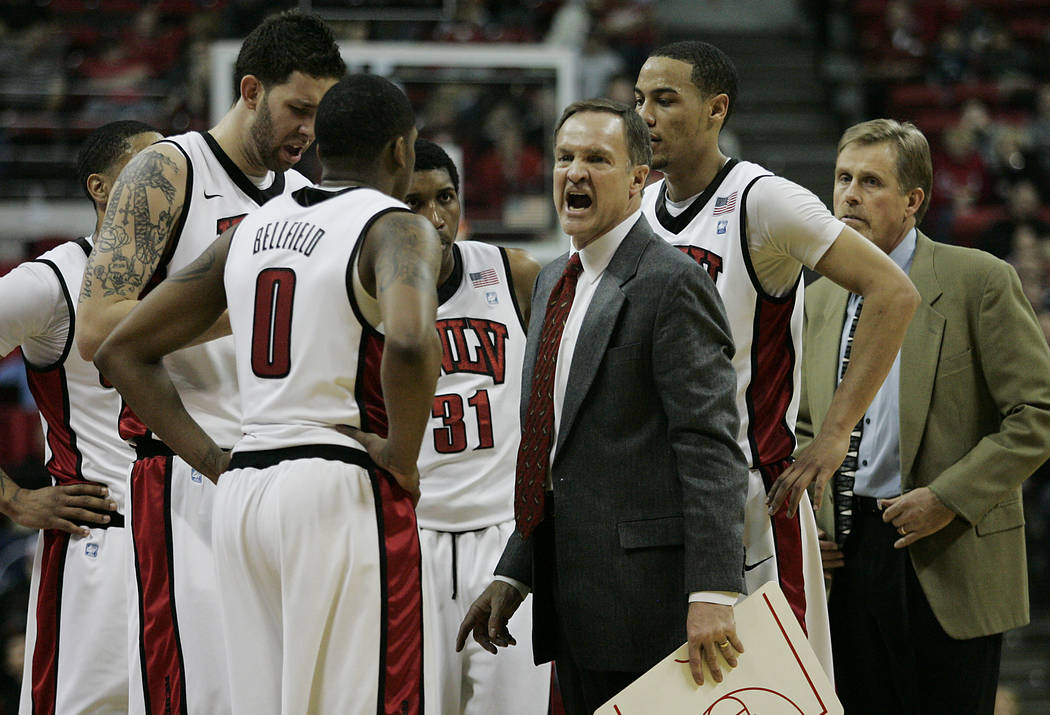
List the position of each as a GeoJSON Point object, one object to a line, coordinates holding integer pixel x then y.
{"type": "Point", "coordinates": [973, 75]}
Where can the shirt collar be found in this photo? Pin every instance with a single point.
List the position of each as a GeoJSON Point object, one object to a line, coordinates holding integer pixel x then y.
{"type": "Point", "coordinates": [597, 254]}
{"type": "Point", "coordinates": [903, 254]}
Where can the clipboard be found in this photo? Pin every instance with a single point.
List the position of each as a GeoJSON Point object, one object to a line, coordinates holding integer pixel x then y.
{"type": "Point", "coordinates": [778, 673]}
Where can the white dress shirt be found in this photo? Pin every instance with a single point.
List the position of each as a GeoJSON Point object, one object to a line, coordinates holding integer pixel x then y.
{"type": "Point", "coordinates": [594, 257]}
{"type": "Point", "coordinates": [879, 455]}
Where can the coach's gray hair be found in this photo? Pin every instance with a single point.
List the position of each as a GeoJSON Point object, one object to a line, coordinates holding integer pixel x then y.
{"type": "Point", "coordinates": [639, 150]}
{"type": "Point", "coordinates": [914, 167]}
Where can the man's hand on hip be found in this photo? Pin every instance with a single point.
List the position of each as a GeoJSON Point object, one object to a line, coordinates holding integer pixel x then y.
{"type": "Point", "coordinates": [815, 464]}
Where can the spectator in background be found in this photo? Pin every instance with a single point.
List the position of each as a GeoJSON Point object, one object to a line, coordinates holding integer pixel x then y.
{"type": "Point", "coordinates": [951, 60]}
{"type": "Point", "coordinates": [156, 45]}
{"type": "Point", "coordinates": [961, 180]}
{"type": "Point", "coordinates": [503, 163]}
{"type": "Point", "coordinates": [1003, 60]}
{"type": "Point", "coordinates": [1038, 133]}
{"type": "Point", "coordinates": [1023, 204]}
{"type": "Point", "coordinates": [902, 29]}
{"type": "Point", "coordinates": [32, 71]}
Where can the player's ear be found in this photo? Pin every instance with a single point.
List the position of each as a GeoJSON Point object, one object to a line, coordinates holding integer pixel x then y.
{"type": "Point", "coordinates": [915, 198]}
{"type": "Point", "coordinates": [399, 151]}
{"type": "Point", "coordinates": [719, 107]}
{"type": "Point", "coordinates": [98, 186]}
{"type": "Point", "coordinates": [251, 90]}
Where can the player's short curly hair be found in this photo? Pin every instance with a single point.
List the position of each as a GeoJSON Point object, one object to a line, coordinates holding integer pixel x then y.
{"type": "Point", "coordinates": [358, 117]}
{"type": "Point", "coordinates": [292, 41]}
{"type": "Point", "coordinates": [430, 156]}
{"type": "Point", "coordinates": [106, 145]}
{"type": "Point", "coordinates": [713, 72]}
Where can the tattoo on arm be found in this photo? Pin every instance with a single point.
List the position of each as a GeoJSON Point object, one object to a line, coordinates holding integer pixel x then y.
{"type": "Point", "coordinates": [403, 258]}
{"type": "Point", "coordinates": [213, 258]}
{"type": "Point", "coordinates": [131, 241]}
{"type": "Point", "coordinates": [200, 267]}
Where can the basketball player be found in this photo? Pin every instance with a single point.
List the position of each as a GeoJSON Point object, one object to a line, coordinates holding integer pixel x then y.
{"type": "Point", "coordinates": [466, 462]}
{"type": "Point", "coordinates": [168, 206]}
{"type": "Point", "coordinates": [75, 658]}
{"type": "Point", "coordinates": [315, 539]}
{"type": "Point", "coordinates": [753, 232]}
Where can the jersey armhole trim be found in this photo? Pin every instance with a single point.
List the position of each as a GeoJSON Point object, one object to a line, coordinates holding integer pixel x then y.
{"type": "Point", "coordinates": [510, 286]}
{"type": "Point", "coordinates": [72, 322]}
{"type": "Point", "coordinates": [745, 251]}
{"type": "Point", "coordinates": [349, 277]}
{"type": "Point", "coordinates": [161, 271]}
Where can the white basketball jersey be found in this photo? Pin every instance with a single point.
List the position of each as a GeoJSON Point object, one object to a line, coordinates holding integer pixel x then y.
{"type": "Point", "coordinates": [306, 357]}
{"type": "Point", "coordinates": [767, 330]}
{"type": "Point", "coordinates": [468, 456]}
{"type": "Point", "coordinates": [218, 195]}
{"type": "Point", "coordinates": [78, 410]}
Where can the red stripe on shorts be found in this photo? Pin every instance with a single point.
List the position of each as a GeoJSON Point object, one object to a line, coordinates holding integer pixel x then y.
{"type": "Point", "coordinates": [401, 667]}
{"type": "Point", "coordinates": [160, 653]}
{"type": "Point", "coordinates": [787, 540]}
{"type": "Point", "coordinates": [48, 615]}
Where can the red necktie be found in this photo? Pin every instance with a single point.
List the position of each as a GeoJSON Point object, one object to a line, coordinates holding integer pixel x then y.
{"type": "Point", "coordinates": [534, 450]}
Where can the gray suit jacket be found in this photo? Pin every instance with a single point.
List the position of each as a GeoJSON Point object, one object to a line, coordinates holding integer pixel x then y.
{"type": "Point", "coordinates": [649, 482]}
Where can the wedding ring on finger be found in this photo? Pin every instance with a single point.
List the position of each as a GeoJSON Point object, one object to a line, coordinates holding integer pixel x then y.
{"type": "Point", "coordinates": [723, 644]}
{"type": "Point", "coordinates": [902, 530]}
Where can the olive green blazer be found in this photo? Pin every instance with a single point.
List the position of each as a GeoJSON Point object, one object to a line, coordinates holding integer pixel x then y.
{"type": "Point", "coordinates": [974, 424]}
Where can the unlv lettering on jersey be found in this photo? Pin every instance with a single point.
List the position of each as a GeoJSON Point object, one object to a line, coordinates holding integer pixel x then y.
{"type": "Point", "coordinates": [710, 262]}
{"type": "Point", "coordinates": [473, 345]}
{"type": "Point", "coordinates": [224, 223]}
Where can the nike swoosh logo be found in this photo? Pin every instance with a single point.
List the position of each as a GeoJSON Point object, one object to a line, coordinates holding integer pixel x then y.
{"type": "Point", "coordinates": [211, 196]}
{"type": "Point", "coordinates": [756, 565]}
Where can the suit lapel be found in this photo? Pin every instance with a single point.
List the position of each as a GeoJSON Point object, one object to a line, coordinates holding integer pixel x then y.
{"type": "Point", "coordinates": [598, 325]}
{"type": "Point", "coordinates": [919, 355]}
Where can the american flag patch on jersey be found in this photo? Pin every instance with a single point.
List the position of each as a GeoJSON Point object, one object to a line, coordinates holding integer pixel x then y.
{"type": "Point", "coordinates": [487, 277]}
{"type": "Point", "coordinates": [724, 204]}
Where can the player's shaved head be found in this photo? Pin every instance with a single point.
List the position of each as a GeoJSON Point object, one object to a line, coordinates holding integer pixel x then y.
{"type": "Point", "coordinates": [358, 117]}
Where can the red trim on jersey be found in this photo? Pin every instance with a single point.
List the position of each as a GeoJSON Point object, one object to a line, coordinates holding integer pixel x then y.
{"type": "Point", "coordinates": [48, 617]}
{"type": "Point", "coordinates": [787, 541]}
{"type": "Point", "coordinates": [129, 426]}
{"type": "Point", "coordinates": [160, 652]}
{"type": "Point", "coordinates": [772, 382]}
{"type": "Point", "coordinates": [401, 667]}
{"type": "Point", "coordinates": [369, 386]}
{"type": "Point", "coordinates": [52, 399]}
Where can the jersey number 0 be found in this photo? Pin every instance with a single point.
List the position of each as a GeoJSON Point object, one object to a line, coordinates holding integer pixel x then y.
{"type": "Point", "coordinates": [272, 326]}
